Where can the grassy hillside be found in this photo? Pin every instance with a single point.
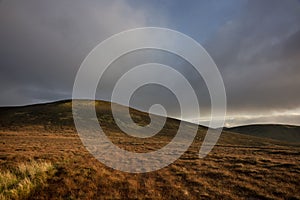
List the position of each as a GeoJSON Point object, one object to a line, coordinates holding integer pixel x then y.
{"type": "Point", "coordinates": [239, 167]}
{"type": "Point", "coordinates": [286, 133]}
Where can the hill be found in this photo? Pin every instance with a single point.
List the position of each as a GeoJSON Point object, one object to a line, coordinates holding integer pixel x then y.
{"type": "Point", "coordinates": [286, 133]}
{"type": "Point", "coordinates": [42, 140]}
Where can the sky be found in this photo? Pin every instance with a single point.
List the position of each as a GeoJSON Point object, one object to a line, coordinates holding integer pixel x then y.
{"type": "Point", "coordinates": [255, 44]}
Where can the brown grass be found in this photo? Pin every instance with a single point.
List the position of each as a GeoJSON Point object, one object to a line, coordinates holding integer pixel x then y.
{"type": "Point", "coordinates": [239, 167]}
{"type": "Point", "coordinates": [228, 172]}
{"type": "Point", "coordinates": [22, 181]}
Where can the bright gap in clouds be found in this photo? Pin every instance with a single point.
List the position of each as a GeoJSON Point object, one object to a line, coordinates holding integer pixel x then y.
{"type": "Point", "coordinates": [255, 44]}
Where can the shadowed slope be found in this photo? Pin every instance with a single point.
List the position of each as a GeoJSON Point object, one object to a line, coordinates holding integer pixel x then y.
{"type": "Point", "coordinates": [286, 133]}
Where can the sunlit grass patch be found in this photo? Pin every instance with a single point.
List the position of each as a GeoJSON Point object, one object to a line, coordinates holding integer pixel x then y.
{"type": "Point", "coordinates": [20, 182]}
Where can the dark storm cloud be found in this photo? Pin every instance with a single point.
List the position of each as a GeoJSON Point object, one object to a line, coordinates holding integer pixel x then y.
{"type": "Point", "coordinates": [44, 42]}
{"type": "Point", "coordinates": [256, 45]}
{"type": "Point", "coordinates": [258, 54]}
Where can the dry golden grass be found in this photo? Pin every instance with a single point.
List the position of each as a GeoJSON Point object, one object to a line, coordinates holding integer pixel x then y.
{"type": "Point", "coordinates": [239, 167]}
{"type": "Point", "coordinates": [28, 177]}
{"type": "Point", "coordinates": [228, 172]}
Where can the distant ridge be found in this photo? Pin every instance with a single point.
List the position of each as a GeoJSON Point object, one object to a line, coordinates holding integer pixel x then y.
{"type": "Point", "coordinates": [48, 111]}
{"type": "Point", "coordinates": [57, 117]}
{"type": "Point", "coordinates": [58, 114]}
{"type": "Point", "coordinates": [287, 133]}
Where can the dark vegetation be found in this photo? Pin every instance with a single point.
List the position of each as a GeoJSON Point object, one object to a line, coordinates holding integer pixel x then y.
{"type": "Point", "coordinates": [286, 133]}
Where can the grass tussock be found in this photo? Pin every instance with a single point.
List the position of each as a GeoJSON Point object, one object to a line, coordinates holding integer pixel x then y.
{"type": "Point", "coordinates": [24, 179]}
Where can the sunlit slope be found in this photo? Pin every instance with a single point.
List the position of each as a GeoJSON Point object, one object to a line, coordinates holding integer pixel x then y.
{"type": "Point", "coordinates": [57, 118]}
{"type": "Point", "coordinates": [239, 166]}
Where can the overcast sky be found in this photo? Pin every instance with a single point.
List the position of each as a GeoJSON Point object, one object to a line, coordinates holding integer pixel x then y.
{"type": "Point", "coordinates": [255, 44]}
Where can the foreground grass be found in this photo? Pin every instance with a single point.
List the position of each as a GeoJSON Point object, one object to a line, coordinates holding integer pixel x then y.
{"type": "Point", "coordinates": [24, 180]}
{"type": "Point", "coordinates": [239, 167]}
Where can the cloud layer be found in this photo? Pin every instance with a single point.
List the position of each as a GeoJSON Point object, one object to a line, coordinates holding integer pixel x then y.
{"type": "Point", "coordinates": [256, 45]}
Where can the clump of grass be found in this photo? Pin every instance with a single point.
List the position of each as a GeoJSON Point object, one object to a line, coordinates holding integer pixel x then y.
{"type": "Point", "coordinates": [24, 180]}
